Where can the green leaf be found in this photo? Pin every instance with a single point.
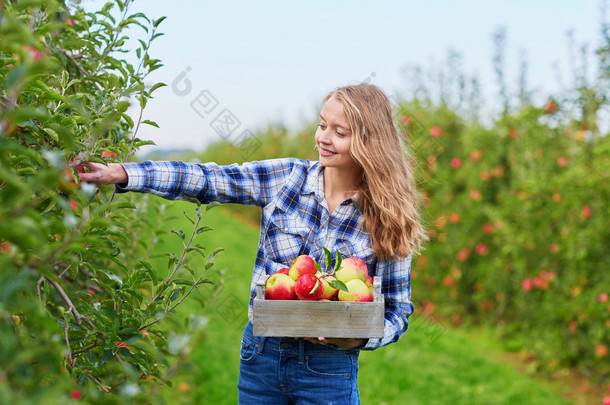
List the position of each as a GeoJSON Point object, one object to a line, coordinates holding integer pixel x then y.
{"type": "Point", "coordinates": [113, 277]}
{"type": "Point", "coordinates": [338, 261]}
{"type": "Point", "coordinates": [122, 205]}
{"type": "Point", "coordinates": [329, 258]}
{"type": "Point", "coordinates": [122, 106]}
{"type": "Point", "coordinates": [317, 266]}
{"type": "Point", "coordinates": [52, 134]}
{"type": "Point", "coordinates": [189, 218]}
{"type": "Point", "coordinates": [203, 229]}
{"type": "Point", "coordinates": [196, 249]}
{"type": "Point", "coordinates": [212, 205]}
{"type": "Point", "coordinates": [180, 233]}
{"type": "Point", "coordinates": [158, 21]}
{"type": "Point", "coordinates": [215, 253]}
{"type": "Point", "coordinates": [316, 286]}
{"type": "Point", "coordinates": [340, 285]}
{"type": "Point", "coordinates": [156, 86]}
{"type": "Point", "coordinates": [127, 119]}
{"type": "Point", "coordinates": [152, 123]}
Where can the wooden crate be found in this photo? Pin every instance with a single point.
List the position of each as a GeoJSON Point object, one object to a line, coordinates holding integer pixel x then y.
{"type": "Point", "coordinates": [331, 319]}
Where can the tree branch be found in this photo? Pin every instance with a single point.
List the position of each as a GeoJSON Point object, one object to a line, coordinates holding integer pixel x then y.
{"type": "Point", "coordinates": [77, 316]}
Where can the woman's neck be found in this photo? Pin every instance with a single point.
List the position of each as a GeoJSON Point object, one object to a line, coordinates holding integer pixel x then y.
{"type": "Point", "coordinates": [339, 185]}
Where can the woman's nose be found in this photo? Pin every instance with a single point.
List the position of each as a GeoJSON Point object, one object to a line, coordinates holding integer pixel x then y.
{"type": "Point", "coordinates": [324, 136]}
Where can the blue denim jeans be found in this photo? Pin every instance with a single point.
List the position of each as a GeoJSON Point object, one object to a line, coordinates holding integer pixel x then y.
{"type": "Point", "coordinates": [276, 371]}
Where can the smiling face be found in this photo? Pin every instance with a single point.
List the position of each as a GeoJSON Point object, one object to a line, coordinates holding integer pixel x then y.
{"type": "Point", "coordinates": [334, 137]}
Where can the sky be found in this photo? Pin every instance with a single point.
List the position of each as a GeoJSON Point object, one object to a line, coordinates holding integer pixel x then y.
{"type": "Point", "coordinates": [249, 64]}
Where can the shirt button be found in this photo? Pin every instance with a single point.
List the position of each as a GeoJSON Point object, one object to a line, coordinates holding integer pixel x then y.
{"type": "Point", "coordinates": [285, 229]}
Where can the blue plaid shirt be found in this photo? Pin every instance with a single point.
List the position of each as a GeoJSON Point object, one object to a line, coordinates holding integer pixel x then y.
{"type": "Point", "coordinates": [295, 220]}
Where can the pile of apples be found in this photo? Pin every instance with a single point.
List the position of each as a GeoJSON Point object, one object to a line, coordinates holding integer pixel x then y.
{"type": "Point", "coordinates": [304, 280]}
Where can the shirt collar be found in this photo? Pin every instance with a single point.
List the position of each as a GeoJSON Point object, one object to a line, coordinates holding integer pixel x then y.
{"type": "Point", "coordinates": [315, 183]}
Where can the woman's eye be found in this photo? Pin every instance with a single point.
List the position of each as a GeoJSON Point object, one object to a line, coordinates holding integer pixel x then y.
{"type": "Point", "coordinates": [340, 134]}
{"type": "Point", "coordinates": [322, 126]}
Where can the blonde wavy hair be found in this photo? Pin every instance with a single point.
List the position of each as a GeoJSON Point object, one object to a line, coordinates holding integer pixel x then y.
{"type": "Point", "coordinates": [387, 195]}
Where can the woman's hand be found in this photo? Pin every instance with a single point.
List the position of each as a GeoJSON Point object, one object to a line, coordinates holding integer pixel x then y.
{"type": "Point", "coordinates": [342, 343]}
{"type": "Point", "coordinates": [102, 175]}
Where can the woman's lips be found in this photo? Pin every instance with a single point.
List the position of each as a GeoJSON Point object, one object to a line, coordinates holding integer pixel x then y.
{"type": "Point", "coordinates": [325, 152]}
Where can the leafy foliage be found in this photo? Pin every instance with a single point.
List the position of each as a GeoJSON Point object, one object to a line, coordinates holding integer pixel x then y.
{"type": "Point", "coordinates": [80, 305]}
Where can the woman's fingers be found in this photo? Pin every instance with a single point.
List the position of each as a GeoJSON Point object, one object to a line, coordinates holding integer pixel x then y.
{"type": "Point", "coordinates": [102, 175]}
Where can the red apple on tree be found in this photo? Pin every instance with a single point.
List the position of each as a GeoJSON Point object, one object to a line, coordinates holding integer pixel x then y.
{"type": "Point", "coordinates": [280, 287]}
{"type": "Point", "coordinates": [302, 265]}
{"type": "Point", "coordinates": [109, 154]}
{"type": "Point", "coordinates": [309, 287]}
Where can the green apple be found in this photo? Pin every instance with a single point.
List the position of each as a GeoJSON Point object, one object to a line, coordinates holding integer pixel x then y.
{"type": "Point", "coordinates": [352, 268]}
{"type": "Point", "coordinates": [330, 292]}
{"type": "Point", "coordinates": [357, 290]}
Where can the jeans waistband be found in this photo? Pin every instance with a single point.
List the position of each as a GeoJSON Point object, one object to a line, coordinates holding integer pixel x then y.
{"type": "Point", "coordinates": [296, 346]}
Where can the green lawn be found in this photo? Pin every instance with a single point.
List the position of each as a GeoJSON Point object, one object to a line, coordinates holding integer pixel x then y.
{"type": "Point", "coordinates": [430, 365]}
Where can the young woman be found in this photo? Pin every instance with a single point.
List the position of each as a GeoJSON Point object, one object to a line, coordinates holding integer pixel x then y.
{"type": "Point", "coordinates": [359, 198]}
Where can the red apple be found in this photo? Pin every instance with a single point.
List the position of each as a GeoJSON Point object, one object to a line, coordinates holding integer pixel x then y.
{"type": "Point", "coordinates": [302, 265]}
{"type": "Point", "coordinates": [280, 287]}
{"type": "Point", "coordinates": [352, 268]}
{"type": "Point", "coordinates": [551, 107]}
{"type": "Point", "coordinates": [436, 131]}
{"type": "Point", "coordinates": [330, 292]}
{"type": "Point", "coordinates": [285, 271]}
{"type": "Point", "coordinates": [357, 290]}
{"type": "Point", "coordinates": [109, 154]}
{"type": "Point", "coordinates": [309, 288]}
{"type": "Point", "coordinates": [369, 282]}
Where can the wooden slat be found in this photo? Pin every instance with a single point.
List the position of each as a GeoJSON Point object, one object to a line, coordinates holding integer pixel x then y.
{"type": "Point", "coordinates": [332, 319]}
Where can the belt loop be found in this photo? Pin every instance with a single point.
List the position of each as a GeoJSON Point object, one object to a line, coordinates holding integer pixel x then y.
{"type": "Point", "coordinates": [261, 345]}
{"type": "Point", "coordinates": [301, 351]}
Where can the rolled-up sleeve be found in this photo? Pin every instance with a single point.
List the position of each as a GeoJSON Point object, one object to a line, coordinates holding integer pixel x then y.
{"type": "Point", "coordinates": [396, 290]}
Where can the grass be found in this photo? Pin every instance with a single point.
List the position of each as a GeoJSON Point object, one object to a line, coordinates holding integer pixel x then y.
{"type": "Point", "coordinates": [431, 364]}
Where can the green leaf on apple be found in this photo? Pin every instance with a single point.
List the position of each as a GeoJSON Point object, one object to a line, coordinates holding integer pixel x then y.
{"type": "Point", "coordinates": [338, 262]}
{"type": "Point", "coordinates": [315, 287]}
{"type": "Point", "coordinates": [339, 285]}
{"type": "Point", "coordinates": [317, 266]}
{"type": "Point", "coordinates": [329, 258]}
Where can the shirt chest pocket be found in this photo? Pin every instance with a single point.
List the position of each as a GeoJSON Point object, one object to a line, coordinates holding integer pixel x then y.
{"type": "Point", "coordinates": [286, 238]}
{"type": "Point", "coordinates": [355, 247]}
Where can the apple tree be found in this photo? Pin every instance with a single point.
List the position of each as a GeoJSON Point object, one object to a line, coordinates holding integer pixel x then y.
{"type": "Point", "coordinates": [81, 308]}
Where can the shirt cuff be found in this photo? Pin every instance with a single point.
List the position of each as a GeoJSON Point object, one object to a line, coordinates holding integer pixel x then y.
{"type": "Point", "coordinates": [372, 344]}
{"type": "Point", "coordinates": [136, 178]}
